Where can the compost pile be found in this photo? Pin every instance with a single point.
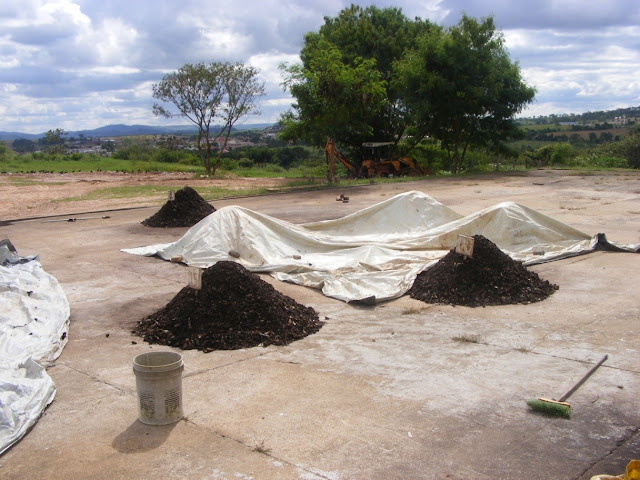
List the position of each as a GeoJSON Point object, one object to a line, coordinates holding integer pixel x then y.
{"type": "Point", "coordinates": [489, 277]}
{"type": "Point", "coordinates": [235, 309]}
{"type": "Point", "coordinates": [187, 209]}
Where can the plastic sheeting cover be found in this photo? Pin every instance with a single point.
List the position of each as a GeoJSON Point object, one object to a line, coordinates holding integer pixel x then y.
{"type": "Point", "coordinates": [374, 253]}
{"type": "Point", "coordinates": [34, 322]}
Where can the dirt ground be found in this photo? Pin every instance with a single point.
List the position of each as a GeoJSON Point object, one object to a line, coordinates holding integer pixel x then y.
{"type": "Point", "coordinates": [38, 195]}
{"type": "Point", "coordinates": [400, 390]}
{"type": "Point", "coordinates": [42, 194]}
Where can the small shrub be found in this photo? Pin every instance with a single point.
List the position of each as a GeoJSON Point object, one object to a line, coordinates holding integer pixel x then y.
{"type": "Point", "coordinates": [272, 168]}
{"type": "Point", "coordinates": [167, 156]}
{"type": "Point", "coordinates": [245, 163]}
{"type": "Point", "coordinates": [228, 164]}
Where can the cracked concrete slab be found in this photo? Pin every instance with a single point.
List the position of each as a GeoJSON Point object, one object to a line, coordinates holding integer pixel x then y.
{"type": "Point", "coordinates": [393, 391]}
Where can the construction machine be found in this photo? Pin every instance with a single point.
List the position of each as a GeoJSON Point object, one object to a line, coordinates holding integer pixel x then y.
{"type": "Point", "coordinates": [332, 153]}
{"type": "Point", "coordinates": [377, 162]}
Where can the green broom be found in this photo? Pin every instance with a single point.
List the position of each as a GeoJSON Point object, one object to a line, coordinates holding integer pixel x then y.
{"type": "Point", "coordinates": [560, 408]}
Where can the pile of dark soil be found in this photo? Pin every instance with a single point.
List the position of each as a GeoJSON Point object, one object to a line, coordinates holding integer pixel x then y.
{"type": "Point", "coordinates": [489, 277]}
{"type": "Point", "coordinates": [187, 209]}
{"type": "Point", "coordinates": [235, 309]}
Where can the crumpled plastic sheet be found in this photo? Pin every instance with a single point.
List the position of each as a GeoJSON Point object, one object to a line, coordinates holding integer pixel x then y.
{"type": "Point", "coordinates": [34, 324]}
{"type": "Point", "coordinates": [376, 253]}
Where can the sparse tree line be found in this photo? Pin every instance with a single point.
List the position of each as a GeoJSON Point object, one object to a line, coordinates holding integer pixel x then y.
{"type": "Point", "coordinates": [629, 115]}
{"type": "Point", "coordinates": [173, 149]}
{"type": "Point", "coordinates": [54, 141]}
{"type": "Point", "coordinates": [605, 151]}
{"type": "Point", "coordinates": [573, 138]}
{"type": "Point", "coordinates": [624, 152]}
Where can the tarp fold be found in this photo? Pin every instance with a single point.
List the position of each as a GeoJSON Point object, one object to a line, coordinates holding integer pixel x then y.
{"type": "Point", "coordinates": [375, 252]}
{"type": "Point", "coordinates": [34, 324]}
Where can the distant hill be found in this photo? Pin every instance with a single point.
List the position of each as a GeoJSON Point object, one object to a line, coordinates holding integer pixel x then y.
{"type": "Point", "coordinates": [612, 116]}
{"type": "Point", "coordinates": [15, 135]}
{"type": "Point", "coordinates": [129, 130]}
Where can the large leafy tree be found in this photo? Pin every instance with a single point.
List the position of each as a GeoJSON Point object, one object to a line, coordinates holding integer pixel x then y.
{"type": "Point", "coordinates": [213, 97]}
{"type": "Point", "coordinates": [345, 87]}
{"type": "Point", "coordinates": [334, 99]}
{"type": "Point", "coordinates": [462, 88]}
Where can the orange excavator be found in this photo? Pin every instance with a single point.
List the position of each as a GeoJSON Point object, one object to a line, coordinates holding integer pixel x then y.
{"type": "Point", "coordinates": [332, 154]}
{"type": "Point", "coordinates": [376, 163]}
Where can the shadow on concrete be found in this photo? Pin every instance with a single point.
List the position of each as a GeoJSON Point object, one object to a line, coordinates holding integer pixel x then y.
{"type": "Point", "coordinates": [139, 437]}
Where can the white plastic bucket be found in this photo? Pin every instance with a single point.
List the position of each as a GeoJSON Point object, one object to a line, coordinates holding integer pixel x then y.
{"type": "Point", "coordinates": [159, 386]}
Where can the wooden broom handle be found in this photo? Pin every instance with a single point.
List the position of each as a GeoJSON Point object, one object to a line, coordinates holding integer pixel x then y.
{"type": "Point", "coordinates": [583, 379]}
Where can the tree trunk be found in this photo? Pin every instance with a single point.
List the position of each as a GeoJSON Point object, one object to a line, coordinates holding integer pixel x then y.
{"type": "Point", "coordinates": [455, 167]}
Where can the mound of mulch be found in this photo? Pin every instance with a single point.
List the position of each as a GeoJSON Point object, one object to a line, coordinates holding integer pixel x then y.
{"type": "Point", "coordinates": [187, 209]}
{"type": "Point", "coordinates": [489, 277]}
{"type": "Point", "coordinates": [235, 309]}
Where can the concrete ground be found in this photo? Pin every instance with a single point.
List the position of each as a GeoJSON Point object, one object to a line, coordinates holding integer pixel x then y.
{"type": "Point", "coordinates": [402, 390]}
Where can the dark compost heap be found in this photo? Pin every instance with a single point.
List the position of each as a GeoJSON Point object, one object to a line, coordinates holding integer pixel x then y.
{"type": "Point", "coordinates": [489, 277]}
{"type": "Point", "coordinates": [187, 209]}
{"type": "Point", "coordinates": [235, 309]}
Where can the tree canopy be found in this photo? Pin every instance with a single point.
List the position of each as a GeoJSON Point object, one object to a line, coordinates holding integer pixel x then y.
{"type": "Point", "coordinates": [23, 145]}
{"type": "Point", "coordinates": [463, 89]}
{"type": "Point", "coordinates": [344, 87]}
{"type": "Point", "coordinates": [372, 74]}
{"type": "Point", "coordinates": [212, 96]}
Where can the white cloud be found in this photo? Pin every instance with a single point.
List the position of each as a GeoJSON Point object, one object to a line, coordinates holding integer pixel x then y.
{"type": "Point", "coordinates": [112, 42]}
{"type": "Point", "coordinates": [278, 102]}
{"type": "Point", "coordinates": [89, 63]}
{"type": "Point", "coordinates": [29, 13]}
{"type": "Point", "coordinates": [9, 62]}
{"type": "Point", "coordinates": [269, 62]}
{"type": "Point", "coordinates": [110, 70]}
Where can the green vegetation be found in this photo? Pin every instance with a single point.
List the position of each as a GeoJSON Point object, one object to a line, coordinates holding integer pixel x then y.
{"type": "Point", "coordinates": [630, 114]}
{"type": "Point", "coordinates": [256, 153]}
{"type": "Point", "coordinates": [596, 139]}
{"type": "Point", "coordinates": [345, 87]}
{"type": "Point", "coordinates": [630, 147]}
{"type": "Point", "coordinates": [307, 163]}
{"type": "Point", "coordinates": [145, 154]}
{"type": "Point", "coordinates": [463, 90]}
{"type": "Point", "coordinates": [88, 162]}
{"type": "Point", "coordinates": [372, 75]}
{"type": "Point", "coordinates": [447, 97]}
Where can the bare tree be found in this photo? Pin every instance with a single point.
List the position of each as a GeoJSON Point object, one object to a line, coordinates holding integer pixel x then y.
{"type": "Point", "coordinates": [212, 96]}
{"type": "Point", "coordinates": [53, 141]}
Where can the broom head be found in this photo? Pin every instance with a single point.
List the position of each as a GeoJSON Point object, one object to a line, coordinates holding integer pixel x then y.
{"type": "Point", "coordinates": [545, 405]}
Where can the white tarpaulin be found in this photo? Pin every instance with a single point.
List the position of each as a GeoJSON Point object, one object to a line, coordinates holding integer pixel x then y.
{"type": "Point", "coordinates": [374, 253]}
{"type": "Point", "coordinates": [34, 322]}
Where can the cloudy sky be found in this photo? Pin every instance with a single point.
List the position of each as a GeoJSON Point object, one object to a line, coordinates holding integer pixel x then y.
{"type": "Point", "coordinates": [82, 64]}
